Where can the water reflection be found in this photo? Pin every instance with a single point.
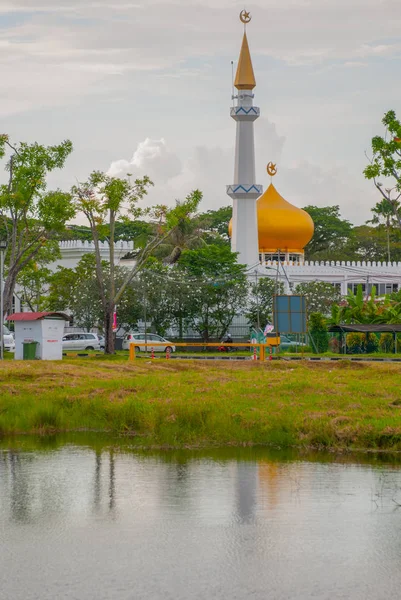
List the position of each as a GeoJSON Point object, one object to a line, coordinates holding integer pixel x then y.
{"type": "Point", "coordinates": [81, 522]}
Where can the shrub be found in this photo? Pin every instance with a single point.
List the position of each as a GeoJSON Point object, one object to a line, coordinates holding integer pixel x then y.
{"type": "Point", "coordinates": [355, 343]}
{"type": "Point", "coordinates": [386, 342]}
{"type": "Point", "coordinates": [318, 332]}
{"type": "Point", "coordinates": [371, 343]}
{"type": "Point", "coordinates": [359, 343]}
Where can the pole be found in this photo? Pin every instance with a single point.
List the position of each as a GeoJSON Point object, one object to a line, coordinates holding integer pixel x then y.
{"type": "Point", "coordinates": [388, 238]}
{"type": "Point", "coordinates": [145, 318]}
{"type": "Point", "coordinates": [1, 304]}
{"type": "Point", "coordinates": [257, 299]}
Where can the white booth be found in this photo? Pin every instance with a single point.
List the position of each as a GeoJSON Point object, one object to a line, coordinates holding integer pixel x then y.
{"type": "Point", "coordinates": [39, 335]}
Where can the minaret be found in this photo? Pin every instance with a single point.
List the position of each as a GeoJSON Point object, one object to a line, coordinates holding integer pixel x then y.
{"type": "Point", "coordinates": [244, 191]}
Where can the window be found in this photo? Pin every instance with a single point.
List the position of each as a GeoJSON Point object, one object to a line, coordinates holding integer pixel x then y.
{"type": "Point", "coordinates": [381, 288]}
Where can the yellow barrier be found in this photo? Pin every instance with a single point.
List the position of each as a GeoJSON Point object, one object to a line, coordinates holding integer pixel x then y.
{"type": "Point", "coordinates": [262, 347]}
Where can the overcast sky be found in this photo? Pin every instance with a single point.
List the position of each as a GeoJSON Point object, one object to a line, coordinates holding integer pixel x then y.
{"type": "Point", "coordinates": [145, 87]}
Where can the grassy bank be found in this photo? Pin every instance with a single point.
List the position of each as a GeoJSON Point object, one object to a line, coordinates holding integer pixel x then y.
{"type": "Point", "coordinates": [179, 403]}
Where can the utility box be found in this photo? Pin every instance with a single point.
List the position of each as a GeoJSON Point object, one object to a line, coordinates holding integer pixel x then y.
{"type": "Point", "coordinates": [39, 335]}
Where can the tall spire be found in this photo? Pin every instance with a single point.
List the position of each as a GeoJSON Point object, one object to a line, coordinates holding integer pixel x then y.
{"type": "Point", "coordinates": [245, 77]}
{"type": "Point", "coordinates": [245, 191]}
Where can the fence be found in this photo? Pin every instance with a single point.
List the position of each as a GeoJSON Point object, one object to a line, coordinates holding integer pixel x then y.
{"type": "Point", "coordinates": [271, 342]}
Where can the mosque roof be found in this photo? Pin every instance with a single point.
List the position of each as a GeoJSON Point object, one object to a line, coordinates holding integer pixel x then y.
{"type": "Point", "coordinates": [281, 225]}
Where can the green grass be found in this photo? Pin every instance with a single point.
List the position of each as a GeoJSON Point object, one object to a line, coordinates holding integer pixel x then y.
{"type": "Point", "coordinates": [339, 405]}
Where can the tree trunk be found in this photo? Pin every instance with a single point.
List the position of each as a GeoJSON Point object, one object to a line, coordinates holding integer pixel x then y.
{"type": "Point", "coordinates": [9, 287]}
{"type": "Point", "coordinates": [388, 240]}
{"type": "Point", "coordinates": [108, 329]}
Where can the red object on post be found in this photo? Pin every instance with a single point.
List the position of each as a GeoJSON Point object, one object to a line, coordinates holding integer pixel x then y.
{"type": "Point", "coordinates": [270, 353]}
{"type": "Point", "coordinates": [153, 353]}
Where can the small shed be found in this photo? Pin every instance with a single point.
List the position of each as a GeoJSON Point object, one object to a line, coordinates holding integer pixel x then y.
{"type": "Point", "coordinates": [342, 329]}
{"type": "Point", "coordinates": [46, 329]}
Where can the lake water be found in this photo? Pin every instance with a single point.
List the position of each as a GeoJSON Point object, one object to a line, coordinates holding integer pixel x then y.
{"type": "Point", "coordinates": [86, 524]}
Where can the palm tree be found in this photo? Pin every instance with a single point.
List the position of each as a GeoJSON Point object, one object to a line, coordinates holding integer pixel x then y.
{"type": "Point", "coordinates": [188, 235]}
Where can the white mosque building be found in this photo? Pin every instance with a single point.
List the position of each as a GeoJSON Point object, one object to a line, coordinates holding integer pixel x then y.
{"type": "Point", "coordinates": [267, 231]}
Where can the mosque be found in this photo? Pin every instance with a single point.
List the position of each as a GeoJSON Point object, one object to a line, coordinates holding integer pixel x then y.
{"type": "Point", "coordinates": [268, 232]}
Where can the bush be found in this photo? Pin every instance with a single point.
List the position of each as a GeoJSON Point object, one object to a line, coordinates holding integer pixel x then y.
{"type": "Point", "coordinates": [298, 349]}
{"type": "Point", "coordinates": [355, 343]}
{"type": "Point", "coordinates": [318, 332]}
{"type": "Point", "coordinates": [386, 342]}
{"type": "Point", "coordinates": [372, 343]}
{"type": "Point", "coordinates": [360, 343]}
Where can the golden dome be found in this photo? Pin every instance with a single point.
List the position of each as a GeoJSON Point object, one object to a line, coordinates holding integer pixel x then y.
{"type": "Point", "coordinates": [281, 226]}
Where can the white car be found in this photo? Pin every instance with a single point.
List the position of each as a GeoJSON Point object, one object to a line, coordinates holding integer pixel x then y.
{"type": "Point", "coordinates": [81, 341]}
{"type": "Point", "coordinates": [8, 340]}
{"type": "Point", "coordinates": [138, 338]}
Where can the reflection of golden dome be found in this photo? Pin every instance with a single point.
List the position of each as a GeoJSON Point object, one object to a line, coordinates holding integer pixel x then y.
{"type": "Point", "coordinates": [281, 226]}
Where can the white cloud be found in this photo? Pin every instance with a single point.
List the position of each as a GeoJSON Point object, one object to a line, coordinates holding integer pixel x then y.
{"type": "Point", "coordinates": [112, 73]}
{"type": "Point", "coordinates": [153, 158]}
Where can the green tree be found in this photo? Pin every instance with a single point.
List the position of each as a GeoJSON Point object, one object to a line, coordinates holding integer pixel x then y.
{"type": "Point", "coordinates": [30, 214]}
{"type": "Point", "coordinates": [260, 301]}
{"type": "Point", "coordinates": [370, 244]}
{"type": "Point", "coordinates": [386, 162]}
{"type": "Point", "coordinates": [383, 212]}
{"type": "Point", "coordinates": [34, 281]}
{"type": "Point", "coordinates": [214, 224]}
{"type": "Point", "coordinates": [76, 291]}
{"type": "Point", "coordinates": [187, 235]}
{"type": "Point", "coordinates": [331, 233]}
{"type": "Point", "coordinates": [318, 332]}
{"type": "Point", "coordinates": [218, 289]}
{"type": "Point", "coordinates": [154, 287]}
{"type": "Point", "coordinates": [320, 296]}
{"type": "Point", "coordinates": [102, 199]}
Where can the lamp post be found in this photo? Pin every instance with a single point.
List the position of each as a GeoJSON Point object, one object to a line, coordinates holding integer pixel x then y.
{"type": "Point", "coordinates": [3, 248]}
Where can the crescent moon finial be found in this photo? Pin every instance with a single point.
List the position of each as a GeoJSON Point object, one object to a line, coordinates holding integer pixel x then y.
{"type": "Point", "coordinates": [245, 16]}
{"type": "Point", "coordinates": [271, 169]}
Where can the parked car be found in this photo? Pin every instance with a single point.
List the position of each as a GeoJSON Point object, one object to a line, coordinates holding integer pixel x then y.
{"type": "Point", "coordinates": [137, 338]}
{"type": "Point", "coordinates": [102, 341]}
{"type": "Point", "coordinates": [8, 340]}
{"type": "Point", "coordinates": [81, 341]}
{"type": "Point", "coordinates": [286, 343]}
